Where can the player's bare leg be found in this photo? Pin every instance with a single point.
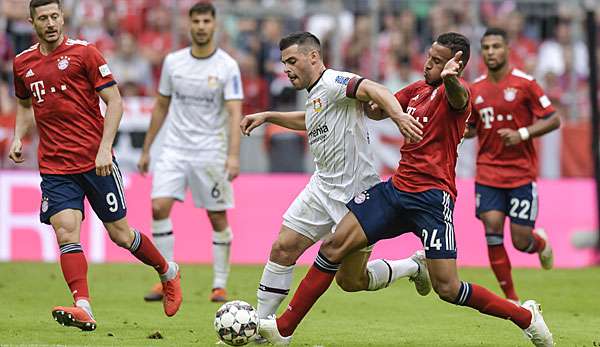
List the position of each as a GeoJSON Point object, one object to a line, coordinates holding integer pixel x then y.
{"type": "Point", "coordinates": [357, 273]}
{"type": "Point", "coordinates": [67, 226]}
{"type": "Point", "coordinates": [493, 223]}
{"type": "Point", "coordinates": [144, 250]}
{"type": "Point", "coordinates": [163, 237]}
{"type": "Point", "coordinates": [221, 239]}
{"type": "Point", "coordinates": [278, 272]}
{"type": "Point", "coordinates": [446, 283]}
{"type": "Point", "coordinates": [529, 240]}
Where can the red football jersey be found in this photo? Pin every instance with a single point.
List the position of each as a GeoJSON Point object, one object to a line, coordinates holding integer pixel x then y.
{"type": "Point", "coordinates": [513, 102]}
{"type": "Point", "coordinates": [62, 87]}
{"type": "Point", "coordinates": [431, 162]}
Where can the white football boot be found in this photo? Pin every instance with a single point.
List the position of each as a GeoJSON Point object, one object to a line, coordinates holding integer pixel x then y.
{"type": "Point", "coordinates": [421, 278]}
{"type": "Point", "coordinates": [267, 328]}
{"type": "Point", "coordinates": [538, 331]}
{"type": "Point", "coordinates": [546, 255]}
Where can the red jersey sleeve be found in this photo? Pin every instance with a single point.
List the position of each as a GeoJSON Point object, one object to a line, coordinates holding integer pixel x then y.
{"type": "Point", "coordinates": [404, 95]}
{"type": "Point", "coordinates": [21, 90]}
{"type": "Point", "coordinates": [98, 71]}
{"type": "Point", "coordinates": [539, 103]}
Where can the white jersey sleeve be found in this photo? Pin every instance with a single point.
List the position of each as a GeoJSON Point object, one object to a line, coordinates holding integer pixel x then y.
{"type": "Point", "coordinates": [233, 84]}
{"type": "Point", "coordinates": [165, 86]}
{"type": "Point", "coordinates": [337, 86]}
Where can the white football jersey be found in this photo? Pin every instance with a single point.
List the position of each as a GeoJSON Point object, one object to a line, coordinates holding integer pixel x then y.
{"type": "Point", "coordinates": [198, 87]}
{"type": "Point", "coordinates": [338, 138]}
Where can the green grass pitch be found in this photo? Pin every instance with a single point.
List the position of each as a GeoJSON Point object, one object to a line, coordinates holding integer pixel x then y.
{"type": "Point", "coordinates": [395, 316]}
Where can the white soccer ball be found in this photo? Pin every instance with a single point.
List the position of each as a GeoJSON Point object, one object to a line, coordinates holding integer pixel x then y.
{"type": "Point", "coordinates": [236, 322]}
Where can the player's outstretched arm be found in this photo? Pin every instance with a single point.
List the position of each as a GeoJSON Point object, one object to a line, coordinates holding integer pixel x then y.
{"type": "Point", "coordinates": [159, 113]}
{"type": "Point", "coordinates": [368, 91]}
{"type": "Point", "coordinates": [232, 165]}
{"type": "Point", "coordinates": [457, 94]}
{"type": "Point", "coordinates": [23, 124]}
{"type": "Point", "coordinates": [112, 118]}
{"type": "Point", "coordinates": [292, 120]}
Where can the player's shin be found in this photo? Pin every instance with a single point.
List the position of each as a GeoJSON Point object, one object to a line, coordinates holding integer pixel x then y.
{"type": "Point", "coordinates": [315, 283]}
{"type": "Point", "coordinates": [74, 268]}
{"type": "Point", "coordinates": [500, 264]}
{"type": "Point", "coordinates": [162, 234]}
{"type": "Point", "coordinates": [145, 251]}
{"type": "Point", "coordinates": [273, 288]}
{"type": "Point", "coordinates": [383, 272]}
{"type": "Point", "coordinates": [221, 250]}
{"type": "Point", "coordinates": [489, 303]}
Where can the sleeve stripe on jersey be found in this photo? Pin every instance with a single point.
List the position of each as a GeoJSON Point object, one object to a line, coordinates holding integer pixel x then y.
{"type": "Point", "coordinates": [106, 85]}
{"type": "Point", "coordinates": [352, 87]}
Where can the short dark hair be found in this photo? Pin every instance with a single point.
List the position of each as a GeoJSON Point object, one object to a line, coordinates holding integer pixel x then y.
{"type": "Point", "coordinates": [33, 4]}
{"type": "Point", "coordinates": [497, 32]}
{"type": "Point", "coordinates": [456, 42]}
{"type": "Point", "coordinates": [300, 38]}
{"type": "Point", "coordinates": [202, 7]}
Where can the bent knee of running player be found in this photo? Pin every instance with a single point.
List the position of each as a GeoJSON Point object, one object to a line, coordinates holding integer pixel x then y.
{"type": "Point", "coordinates": [348, 237]}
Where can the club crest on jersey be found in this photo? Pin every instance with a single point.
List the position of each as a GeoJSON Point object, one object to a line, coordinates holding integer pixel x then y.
{"type": "Point", "coordinates": [362, 197]}
{"type": "Point", "coordinates": [317, 105]}
{"type": "Point", "coordinates": [44, 204]}
{"type": "Point", "coordinates": [63, 62]}
{"type": "Point", "coordinates": [213, 82]}
{"type": "Point", "coordinates": [510, 94]}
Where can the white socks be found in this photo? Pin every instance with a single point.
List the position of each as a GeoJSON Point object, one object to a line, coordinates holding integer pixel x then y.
{"type": "Point", "coordinates": [274, 286]}
{"type": "Point", "coordinates": [221, 250]}
{"type": "Point", "coordinates": [171, 272]}
{"type": "Point", "coordinates": [383, 272]}
{"type": "Point", "coordinates": [162, 233]}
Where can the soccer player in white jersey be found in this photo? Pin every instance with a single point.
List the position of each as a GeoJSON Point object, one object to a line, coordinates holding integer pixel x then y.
{"type": "Point", "coordinates": [197, 84]}
{"type": "Point", "coordinates": [337, 135]}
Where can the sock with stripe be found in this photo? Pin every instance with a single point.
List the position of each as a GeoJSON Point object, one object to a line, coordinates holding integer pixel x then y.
{"type": "Point", "coordinates": [383, 272]}
{"type": "Point", "coordinates": [274, 287]}
{"type": "Point", "coordinates": [162, 235]}
{"type": "Point", "coordinates": [489, 303]}
{"type": "Point", "coordinates": [143, 249]}
{"type": "Point", "coordinates": [74, 268]}
{"type": "Point", "coordinates": [536, 244]}
{"type": "Point", "coordinates": [501, 266]}
{"type": "Point", "coordinates": [221, 248]}
{"type": "Point", "coordinates": [315, 283]}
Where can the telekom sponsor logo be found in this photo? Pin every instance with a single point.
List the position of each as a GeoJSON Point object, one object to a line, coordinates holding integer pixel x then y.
{"type": "Point", "coordinates": [256, 225]}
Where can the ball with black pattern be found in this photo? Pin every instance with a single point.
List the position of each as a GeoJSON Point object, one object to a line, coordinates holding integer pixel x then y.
{"type": "Point", "coordinates": [236, 323]}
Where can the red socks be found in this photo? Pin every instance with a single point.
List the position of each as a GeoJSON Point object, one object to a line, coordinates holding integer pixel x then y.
{"type": "Point", "coordinates": [500, 264]}
{"type": "Point", "coordinates": [538, 243]}
{"type": "Point", "coordinates": [143, 249]}
{"type": "Point", "coordinates": [489, 303]}
{"type": "Point", "coordinates": [74, 268]}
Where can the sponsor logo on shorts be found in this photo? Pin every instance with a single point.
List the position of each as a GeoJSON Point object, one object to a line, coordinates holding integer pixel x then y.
{"type": "Point", "coordinates": [362, 197]}
{"type": "Point", "coordinates": [44, 204]}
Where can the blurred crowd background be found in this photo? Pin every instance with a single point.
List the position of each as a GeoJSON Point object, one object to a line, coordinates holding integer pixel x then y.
{"type": "Point", "coordinates": [383, 40]}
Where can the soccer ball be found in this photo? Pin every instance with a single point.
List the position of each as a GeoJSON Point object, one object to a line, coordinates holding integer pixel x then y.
{"type": "Point", "coordinates": [236, 322]}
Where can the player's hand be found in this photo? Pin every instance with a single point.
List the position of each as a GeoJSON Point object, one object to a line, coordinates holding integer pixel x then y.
{"type": "Point", "coordinates": [15, 153]}
{"type": "Point", "coordinates": [452, 67]}
{"type": "Point", "coordinates": [232, 167]}
{"type": "Point", "coordinates": [252, 121]}
{"type": "Point", "coordinates": [510, 137]}
{"type": "Point", "coordinates": [144, 163]}
{"type": "Point", "coordinates": [409, 127]}
{"type": "Point", "coordinates": [103, 162]}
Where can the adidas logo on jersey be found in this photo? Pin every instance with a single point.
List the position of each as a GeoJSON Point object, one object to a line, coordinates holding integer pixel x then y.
{"type": "Point", "coordinates": [478, 100]}
{"type": "Point", "coordinates": [29, 73]}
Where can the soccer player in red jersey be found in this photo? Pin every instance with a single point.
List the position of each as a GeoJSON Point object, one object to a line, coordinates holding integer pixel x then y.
{"type": "Point", "coordinates": [57, 83]}
{"type": "Point", "coordinates": [509, 109]}
{"type": "Point", "coordinates": [419, 198]}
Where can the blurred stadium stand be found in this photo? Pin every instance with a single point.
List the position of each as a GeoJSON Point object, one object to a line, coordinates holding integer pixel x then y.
{"type": "Point", "coordinates": [382, 40]}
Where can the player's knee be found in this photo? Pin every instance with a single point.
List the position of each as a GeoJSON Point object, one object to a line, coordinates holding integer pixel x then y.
{"type": "Point", "coordinates": [333, 250]}
{"type": "Point", "coordinates": [351, 284]}
{"type": "Point", "coordinates": [284, 253]}
{"type": "Point", "coordinates": [447, 291]}
{"type": "Point", "coordinates": [66, 235]}
{"type": "Point", "coordinates": [121, 238]}
{"type": "Point", "coordinates": [521, 242]}
{"type": "Point", "coordinates": [159, 210]}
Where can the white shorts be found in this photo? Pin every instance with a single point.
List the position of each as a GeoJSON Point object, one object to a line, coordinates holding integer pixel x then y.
{"type": "Point", "coordinates": [313, 213]}
{"type": "Point", "coordinates": [208, 182]}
